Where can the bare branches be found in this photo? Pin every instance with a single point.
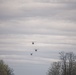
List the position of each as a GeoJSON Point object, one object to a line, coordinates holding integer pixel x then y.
{"type": "Point", "coordinates": [67, 65]}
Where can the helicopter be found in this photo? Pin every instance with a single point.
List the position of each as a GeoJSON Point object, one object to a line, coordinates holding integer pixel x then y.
{"type": "Point", "coordinates": [32, 42]}
{"type": "Point", "coordinates": [36, 50]}
{"type": "Point", "coordinates": [31, 53]}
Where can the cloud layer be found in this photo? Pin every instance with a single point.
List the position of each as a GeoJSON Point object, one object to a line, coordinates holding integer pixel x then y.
{"type": "Point", "coordinates": [51, 24]}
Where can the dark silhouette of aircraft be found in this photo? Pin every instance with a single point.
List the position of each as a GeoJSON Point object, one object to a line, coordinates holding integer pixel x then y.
{"type": "Point", "coordinates": [36, 50]}
{"type": "Point", "coordinates": [32, 42]}
{"type": "Point", "coordinates": [31, 54]}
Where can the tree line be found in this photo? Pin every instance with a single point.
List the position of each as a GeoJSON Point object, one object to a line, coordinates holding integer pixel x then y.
{"type": "Point", "coordinates": [65, 66]}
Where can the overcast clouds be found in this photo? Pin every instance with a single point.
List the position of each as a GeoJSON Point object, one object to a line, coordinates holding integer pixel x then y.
{"type": "Point", "coordinates": [51, 24]}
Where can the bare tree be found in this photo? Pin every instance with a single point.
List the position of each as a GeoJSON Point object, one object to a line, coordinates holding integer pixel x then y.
{"type": "Point", "coordinates": [63, 59]}
{"type": "Point", "coordinates": [66, 65]}
{"type": "Point", "coordinates": [54, 70]}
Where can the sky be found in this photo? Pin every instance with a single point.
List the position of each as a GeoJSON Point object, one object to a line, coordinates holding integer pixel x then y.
{"type": "Point", "coordinates": [50, 24]}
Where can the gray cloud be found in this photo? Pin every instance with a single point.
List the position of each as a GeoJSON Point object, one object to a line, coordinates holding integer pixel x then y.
{"type": "Point", "coordinates": [20, 10]}
{"type": "Point", "coordinates": [37, 17]}
{"type": "Point", "coordinates": [38, 26]}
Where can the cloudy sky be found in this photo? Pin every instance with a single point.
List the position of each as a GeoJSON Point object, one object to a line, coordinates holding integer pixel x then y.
{"type": "Point", "coordinates": [51, 24]}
